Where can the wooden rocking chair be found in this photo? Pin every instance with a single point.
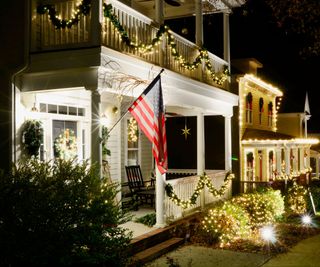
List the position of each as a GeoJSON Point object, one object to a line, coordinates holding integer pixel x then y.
{"type": "Point", "coordinates": [142, 190]}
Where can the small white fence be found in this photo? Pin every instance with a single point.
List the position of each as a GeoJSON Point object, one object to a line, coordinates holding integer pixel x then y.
{"type": "Point", "coordinates": [185, 187]}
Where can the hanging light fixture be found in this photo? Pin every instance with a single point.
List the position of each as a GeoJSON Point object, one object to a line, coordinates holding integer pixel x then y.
{"type": "Point", "coordinates": [34, 108]}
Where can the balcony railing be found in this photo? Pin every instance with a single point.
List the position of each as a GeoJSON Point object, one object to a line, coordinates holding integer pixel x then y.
{"type": "Point", "coordinates": [139, 29]}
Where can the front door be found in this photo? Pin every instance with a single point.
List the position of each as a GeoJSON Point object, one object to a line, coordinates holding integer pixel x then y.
{"type": "Point", "coordinates": [64, 137]}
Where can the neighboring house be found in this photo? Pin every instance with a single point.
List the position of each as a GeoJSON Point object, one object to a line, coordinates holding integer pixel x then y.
{"type": "Point", "coordinates": [266, 153]}
{"type": "Point", "coordinates": [295, 124]}
{"type": "Point", "coordinates": [86, 69]}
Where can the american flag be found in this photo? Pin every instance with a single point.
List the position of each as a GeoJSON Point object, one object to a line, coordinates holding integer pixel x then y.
{"type": "Point", "coordinates": [148, 110]}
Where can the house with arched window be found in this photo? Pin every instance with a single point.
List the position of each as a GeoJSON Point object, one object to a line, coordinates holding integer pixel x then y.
{"type": "Point", "coordinates": [266, 155]}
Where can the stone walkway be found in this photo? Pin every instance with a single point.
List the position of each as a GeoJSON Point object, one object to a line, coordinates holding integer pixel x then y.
{"type": "Point", "coordinates": [305, 254]}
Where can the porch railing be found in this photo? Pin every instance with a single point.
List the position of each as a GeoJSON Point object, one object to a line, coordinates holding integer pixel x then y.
{"type": "Point", "coordinates": [140, 28]}
{"type": "Point", "coordinates": [184, 188]}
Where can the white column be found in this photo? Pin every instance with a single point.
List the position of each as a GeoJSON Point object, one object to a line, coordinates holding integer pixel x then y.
{"type": "Point", "coordinates": [226, 38]}
{"type": "Point", "coordinates": [200, 152]}
{"type": "Point", "coordinates": [301, 159]}
{"type": "Point", "coordinates": [199, 22]}
{"type": "Point", "coordinates": [308, 157]}
{"type": "Point", "coordinates": [317, 166]}
{"type": "Point", "coordinates": [278, 160]}
{"type": "Point", "coordinates": [159, 17]}
{"type": "Point", "coordinates": [295, 159]}
{"type": "Point", "coordinates": [95, 127]}
{"type": "Point", "coordinates": [227, 143]}
{"type": "Point", "coordinates": [287, 160]}
{"type": "Point", "coordinates": [160, 185]}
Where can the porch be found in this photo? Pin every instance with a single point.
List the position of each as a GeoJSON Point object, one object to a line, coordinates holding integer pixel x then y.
{"type": "Point", "coordinates": [122, 28]}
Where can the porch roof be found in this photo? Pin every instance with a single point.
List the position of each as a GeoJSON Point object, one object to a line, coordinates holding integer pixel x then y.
{"type": "Point", "coordinates": [263, 138]}
{"type": "Point", "coordinates": [256, 134]}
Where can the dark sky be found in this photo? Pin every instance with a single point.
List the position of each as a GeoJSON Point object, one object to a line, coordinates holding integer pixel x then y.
{"type": "Point", "coordinates": [256, 35]}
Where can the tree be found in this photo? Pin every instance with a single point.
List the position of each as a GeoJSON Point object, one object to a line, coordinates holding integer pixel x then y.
{"type": "Point", "coordinates": [60, 214]}
{"type": "Point", "coordinates": [299, 18]}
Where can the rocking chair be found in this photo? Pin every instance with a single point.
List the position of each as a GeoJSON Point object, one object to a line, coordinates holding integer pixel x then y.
{"type": "Point", "coordinates": [144, 191]}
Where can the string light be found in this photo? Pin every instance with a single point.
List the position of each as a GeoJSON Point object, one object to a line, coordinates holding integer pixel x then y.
{"type": "Point", "coordinates": [165, 30]}
{"type": "Point", "coordinates": [204, 180]}
{"type": "Point", "coordinates": [82, 9]}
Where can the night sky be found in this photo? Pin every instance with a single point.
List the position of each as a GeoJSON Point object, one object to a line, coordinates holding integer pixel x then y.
{"type": "Point", "coordinates": [256, 34]}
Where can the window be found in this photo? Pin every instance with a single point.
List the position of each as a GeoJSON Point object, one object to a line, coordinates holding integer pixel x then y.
{"type": "Point", "coordinates": [271, 166]}
{"type": "Point", "coordinates": [261, 109]}
{"type": "Point", "coordinates": [249, 108]}
{"type": "Point", "coordinates": [270, 113]}
{"type": "Point", "coordinates": [64, 139]}
{"type": "Point", "coordinates": [132, 142]}
{"type": "Point", "coordinates": [63, 110]}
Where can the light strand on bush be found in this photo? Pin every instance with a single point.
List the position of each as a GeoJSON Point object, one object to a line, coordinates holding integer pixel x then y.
{"type": "Point", "coordinates": [204, 180]}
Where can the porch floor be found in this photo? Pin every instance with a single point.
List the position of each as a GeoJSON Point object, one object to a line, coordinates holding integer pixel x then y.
{"type": "Point", "coordinates": [139, 228]}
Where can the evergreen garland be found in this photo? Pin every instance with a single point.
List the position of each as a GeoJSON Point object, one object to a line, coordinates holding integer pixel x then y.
{"type": "Point", "coordinates": [203, 181]}
{"type": "Point", "coordinates": [32, 135]}
{"type": "Point", "coordinates": [82, 9]}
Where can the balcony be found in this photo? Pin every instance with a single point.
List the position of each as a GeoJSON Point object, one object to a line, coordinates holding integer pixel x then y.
{"type": "Point", "coordinates": [60, 27]}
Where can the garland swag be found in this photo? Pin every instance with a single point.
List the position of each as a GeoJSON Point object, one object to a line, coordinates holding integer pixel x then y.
{"type": "Point", "coordinates": [203, 181]}
{"type": "Point", "coordinates": [84, 9]}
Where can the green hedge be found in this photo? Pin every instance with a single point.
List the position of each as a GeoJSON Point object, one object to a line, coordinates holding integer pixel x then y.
{"type": "Point", "coordinates": [59, 214]}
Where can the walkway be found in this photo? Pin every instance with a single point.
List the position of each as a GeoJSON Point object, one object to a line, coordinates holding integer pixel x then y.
{"type": "Point", "coordinates": [304, 254]}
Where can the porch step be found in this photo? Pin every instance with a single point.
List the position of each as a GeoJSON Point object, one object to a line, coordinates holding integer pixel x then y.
{"type": "Point", "coordinates": [155, 251]}
{"type": "Point", "coordinates": [148, 240]}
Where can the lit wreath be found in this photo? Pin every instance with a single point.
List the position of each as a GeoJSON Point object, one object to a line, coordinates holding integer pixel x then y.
{"type": "Point", "coordinates": [65, 145]}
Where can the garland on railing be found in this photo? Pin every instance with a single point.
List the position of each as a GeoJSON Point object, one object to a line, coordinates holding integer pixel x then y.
{"type": "Point", "coordinates": [164, 29]}
{"type": "Point", "coordinates": [82, 9]}
{"type": "Point", "coordinates": [203, 181]}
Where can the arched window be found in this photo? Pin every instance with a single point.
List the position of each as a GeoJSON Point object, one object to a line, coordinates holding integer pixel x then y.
{"type": "Point", "coordinates": [270, 113]}
{"type": "Point", "coordinates": [249, 108]}
{"type": "Point", "coordinates": [261, 109]}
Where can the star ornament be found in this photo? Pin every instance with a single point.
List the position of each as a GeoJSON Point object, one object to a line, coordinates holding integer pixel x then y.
{"type": "Point", "coordinates": [186, 132]}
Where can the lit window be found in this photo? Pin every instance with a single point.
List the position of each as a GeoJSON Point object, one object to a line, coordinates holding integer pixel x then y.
{"type": "Point", "coordinates": [249, 108]}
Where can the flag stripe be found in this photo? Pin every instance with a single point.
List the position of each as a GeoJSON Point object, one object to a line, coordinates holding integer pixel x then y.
{"type": "Point", "coordinates": [148, 110]}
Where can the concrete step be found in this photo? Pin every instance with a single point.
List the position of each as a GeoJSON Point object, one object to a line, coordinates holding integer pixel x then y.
{"type": "Point", "coordinates": [156, 251]}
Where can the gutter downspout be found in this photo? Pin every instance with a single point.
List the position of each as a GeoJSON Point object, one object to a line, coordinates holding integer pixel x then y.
{"type": "Point", "coordinates": [25, 66]}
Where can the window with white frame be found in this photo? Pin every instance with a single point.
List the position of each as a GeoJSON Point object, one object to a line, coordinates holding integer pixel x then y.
{"type": "Point", "coordinates": [133, 142]}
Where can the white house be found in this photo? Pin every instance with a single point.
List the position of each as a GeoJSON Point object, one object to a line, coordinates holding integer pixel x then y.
{"type": "Point", "coordinates": [88, 60]}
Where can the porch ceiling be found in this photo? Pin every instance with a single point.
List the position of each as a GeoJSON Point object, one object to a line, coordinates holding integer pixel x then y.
{"type": "Point", "coordinates": [185, 8]}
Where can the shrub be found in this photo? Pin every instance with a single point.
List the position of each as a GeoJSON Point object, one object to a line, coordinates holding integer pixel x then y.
{"type": "Point", "coordinates": [315, 191]}
{"type": "Point", "coordinates": [226, 223]}
{"type": "Point", "coordinates": [263, 208]}
{"type": "Point", "coordinates": [296, 199]}
{"type": "Point", "coordinates": [148, 219]}
{"type": "Point", "coordinates": [59, 214]}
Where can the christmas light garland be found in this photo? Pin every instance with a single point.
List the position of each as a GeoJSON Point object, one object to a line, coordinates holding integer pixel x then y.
{"type": "Point", "coordinates": [82, 9]}
{"type": "Point", "coordinates": [165, 30]}
{"type": "Point", "coordinates": [203, 181]}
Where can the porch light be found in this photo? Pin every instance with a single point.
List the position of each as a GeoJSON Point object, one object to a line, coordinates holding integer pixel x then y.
{"type": "Point", "coordinates": [104, 120]}
{"type": "Point", "coordinates": [34, 108]}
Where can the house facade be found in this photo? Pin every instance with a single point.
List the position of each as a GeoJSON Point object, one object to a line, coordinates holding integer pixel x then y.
{"type": "Point", "coordinates": [266, 153]}
{"type": "Point", "coordinates": [89, 60]}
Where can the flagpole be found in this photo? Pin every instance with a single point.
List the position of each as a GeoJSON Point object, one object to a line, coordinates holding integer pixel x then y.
{"type": "Point", "coordinates": [124, 114]}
